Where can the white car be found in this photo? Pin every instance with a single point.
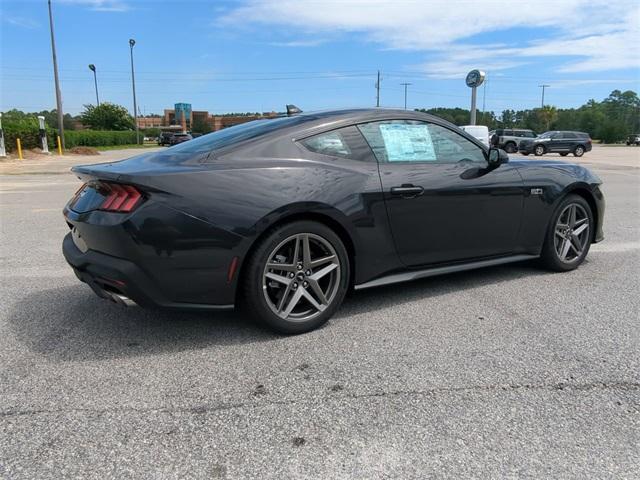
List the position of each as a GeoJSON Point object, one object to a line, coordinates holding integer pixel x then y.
{"type": "Point", "coordinates": [480, 132]}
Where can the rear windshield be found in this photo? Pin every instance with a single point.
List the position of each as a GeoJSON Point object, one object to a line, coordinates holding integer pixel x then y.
{"type": "Point", "coordinates": [238, 133]}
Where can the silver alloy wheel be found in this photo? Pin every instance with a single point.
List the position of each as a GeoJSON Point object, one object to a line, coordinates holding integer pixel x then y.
{"type": "Point", "coordinates": [578, 152]}
{"type": "Point", "coordinates": [301, 277]}
{"type": "Point", "coordinates": [571, 235]}
{"type": "Point", "coordinates": [539, 150]}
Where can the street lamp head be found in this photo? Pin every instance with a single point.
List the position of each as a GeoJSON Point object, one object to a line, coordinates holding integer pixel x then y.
{"type": "Point", "coordinates": [132, 42]}
{"type": "Point", "coordinates": [92, 67]}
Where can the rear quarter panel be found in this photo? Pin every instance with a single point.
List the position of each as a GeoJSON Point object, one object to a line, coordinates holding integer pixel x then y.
{"type": "Point", "coordinates": [246, 196]}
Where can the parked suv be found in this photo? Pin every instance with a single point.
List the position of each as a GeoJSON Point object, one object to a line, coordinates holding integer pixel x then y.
{"type": "Point", "coordinates": [633, 139]}
{"type": "Point", "coordinates": [563, 143]}
{"type": "Point", "coordinates": [509, 138]}
{"type": "Point", "coordinates": [177, 138]}
{"type": "Point", "coordinates": [165, 138]}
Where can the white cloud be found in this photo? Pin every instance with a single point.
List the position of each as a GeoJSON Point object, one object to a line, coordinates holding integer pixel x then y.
{"type": "Point", "coordinates": [101, 5]}
{"type": "Point", "coordinates": [312, 42]}
{"type": "Point", "coordinates": [597, 34]}
{"type": "Point", "coordinates": [22, 22]}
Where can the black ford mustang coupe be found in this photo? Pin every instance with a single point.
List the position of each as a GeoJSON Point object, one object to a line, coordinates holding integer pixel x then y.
{"type": "Point", "coordinates": [281, 217]}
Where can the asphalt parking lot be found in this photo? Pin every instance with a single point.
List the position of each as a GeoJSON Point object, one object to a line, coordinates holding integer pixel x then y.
{"type": "Point", "coordinates": [504, 372]}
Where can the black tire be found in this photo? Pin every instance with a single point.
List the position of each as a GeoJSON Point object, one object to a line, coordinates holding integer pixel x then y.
{"type": "Point", "coordinates": [253, 294]}
{"type": "Point", "coordinates": [578, 151]}
{"type": "Point", "coordinates": [549, 257]}
{"type": "Point", "coordinates": [564, 154]}
{"type": "Point", "coordinates": [539, 150]}
{"type": "Point", "coordinates": [510, 147]}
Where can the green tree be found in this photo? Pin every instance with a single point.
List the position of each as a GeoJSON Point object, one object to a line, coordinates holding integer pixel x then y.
{"type": "Point", "coordinates": [107, 116]}
{"type": "Point", "coordinates": [547, 115]}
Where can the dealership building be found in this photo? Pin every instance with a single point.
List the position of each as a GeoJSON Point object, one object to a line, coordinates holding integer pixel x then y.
{"type": "Point", "coordinates": [182, 117]}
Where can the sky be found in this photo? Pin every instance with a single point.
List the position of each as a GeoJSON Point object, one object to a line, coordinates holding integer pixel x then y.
{"type": "Point", "coordinates": [258, 55]}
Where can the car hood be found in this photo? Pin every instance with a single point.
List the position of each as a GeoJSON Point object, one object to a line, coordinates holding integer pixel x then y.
{"type": "Point", "coordinates": [579, 172]}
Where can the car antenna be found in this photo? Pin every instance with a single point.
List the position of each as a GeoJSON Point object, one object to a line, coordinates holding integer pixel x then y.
{"type": "Point", "coordinates": [292, 110]}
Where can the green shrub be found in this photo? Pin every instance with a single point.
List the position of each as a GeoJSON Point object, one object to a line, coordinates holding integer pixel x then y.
{"type": "Point", "coordinates": [151, 132]}
{"type": "Point", "coordinates": [98, 138]}
{"type": "Point", "coordinates": [27, 130]}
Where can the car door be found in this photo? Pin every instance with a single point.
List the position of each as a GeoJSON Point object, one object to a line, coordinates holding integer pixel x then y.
{"type": "Point", "coordinates": [558, 143]}
{"type": "Point", "coordinates": [444, 203]}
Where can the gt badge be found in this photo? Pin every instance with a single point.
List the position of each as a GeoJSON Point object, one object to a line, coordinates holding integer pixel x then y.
{"type": "Point", "coordinates": [536, 191]}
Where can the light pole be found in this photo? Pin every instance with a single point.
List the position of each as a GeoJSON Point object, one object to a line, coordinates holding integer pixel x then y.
{"type": "Point", "coordinates": [405, 93]}
{"type": "Point", "coordinates": [132, 42]}
{"type": "Point", "coordinates": [543, 87]}
{"type": "Point", "coordinates": [55, 77]}
{"type": "Point", "coordinates": [92, 67]}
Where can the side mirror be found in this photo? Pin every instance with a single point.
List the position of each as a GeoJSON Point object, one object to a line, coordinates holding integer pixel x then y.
{"type": "Point", "coordinates": [497, 157]}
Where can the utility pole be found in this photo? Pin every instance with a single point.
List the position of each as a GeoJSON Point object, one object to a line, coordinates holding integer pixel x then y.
{"type": "Point", "coordinates": [405, 93]}
{"type": "Point", "coordinates": [132, 42]}
{"type": "Point", "coordinates": [92, 67]}
{"type": "Point", "coordinates": [543, 87]}
{"type": "Point", "coordinates": [378, 90]}
{"type": "Point", "coordinates": [57, 81]}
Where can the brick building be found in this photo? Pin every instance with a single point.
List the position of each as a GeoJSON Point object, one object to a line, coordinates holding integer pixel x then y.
{"type": "Point", "coordinates": [187, 118]}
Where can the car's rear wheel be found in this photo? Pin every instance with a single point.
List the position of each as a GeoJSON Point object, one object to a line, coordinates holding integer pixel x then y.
{"type": "Point", "coordinates": [510, 147]}
{"type": "Point", "coordinates": [297, 277]}
{"type": "Point", "coordinates": [539, 150]}
{"type": "Point", "coordinates": [569, 235]}
{"type": "Point", "coordinates": [578, 151]}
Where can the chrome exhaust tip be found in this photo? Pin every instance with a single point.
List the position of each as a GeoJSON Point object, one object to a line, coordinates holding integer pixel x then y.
{"type": "Point", "coordinates": [122, 300]}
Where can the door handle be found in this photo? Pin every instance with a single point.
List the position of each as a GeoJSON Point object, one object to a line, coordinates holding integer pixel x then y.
{"type": "Point", "coordinates": [407, 190]}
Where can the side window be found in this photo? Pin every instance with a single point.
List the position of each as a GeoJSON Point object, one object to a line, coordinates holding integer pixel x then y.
{"type": "Point", "coordinates": [452, 148]}
{"type": "Point", "coordinates": [344, 142]}
{"type": "Point", "coordinates": [508, 133]}
{"type": "Point", "coordinates": [330, 143]}
{"type": "Point", "coordinates": [413, 141]}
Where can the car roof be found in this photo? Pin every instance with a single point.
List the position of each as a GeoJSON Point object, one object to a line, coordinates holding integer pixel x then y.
{"type": "Point", "coordinates": [309, 123]}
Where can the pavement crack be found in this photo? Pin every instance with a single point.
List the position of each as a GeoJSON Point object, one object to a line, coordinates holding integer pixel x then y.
{"type": "Point", "coordinates": [205, 409]}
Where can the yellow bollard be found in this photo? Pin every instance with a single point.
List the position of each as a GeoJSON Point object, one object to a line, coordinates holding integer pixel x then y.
{"type": "Point", "coordinates": [19, 148]}
{"type": "Point", "coordinates": [59, 146]}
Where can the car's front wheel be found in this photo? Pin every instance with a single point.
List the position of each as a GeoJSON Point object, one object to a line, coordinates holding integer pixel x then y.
{"type": "Point", "coordinates": [296, 277]}
{"type": "Point", "coordinates": [569, 235]}
{"type": "Point", "coordinates": [539, 150]}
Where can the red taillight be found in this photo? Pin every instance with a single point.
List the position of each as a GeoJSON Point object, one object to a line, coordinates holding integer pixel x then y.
{"type": "Point", "coordinates": [121, 198]}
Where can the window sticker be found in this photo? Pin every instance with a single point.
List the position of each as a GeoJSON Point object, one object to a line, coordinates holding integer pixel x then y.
{"type": "Point", "coordinates": [407, 143]}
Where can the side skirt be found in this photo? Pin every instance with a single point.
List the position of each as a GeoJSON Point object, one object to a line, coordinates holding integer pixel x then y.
{"type": "Point", "coordinates": [432, 272]}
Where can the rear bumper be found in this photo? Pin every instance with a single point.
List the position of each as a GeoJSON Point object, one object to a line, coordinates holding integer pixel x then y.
{"type": "Point", "coordinates": [110, 276]}
{"type": "Point", "coordinates": [525, 148]}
